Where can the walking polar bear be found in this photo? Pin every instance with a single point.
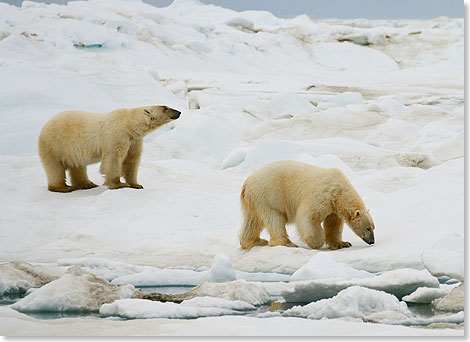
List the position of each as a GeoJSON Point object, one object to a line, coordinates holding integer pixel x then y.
{"type": "Point", "coordinates": [74, 139]}
{"type": "Point", "coordinates": [292, 192]}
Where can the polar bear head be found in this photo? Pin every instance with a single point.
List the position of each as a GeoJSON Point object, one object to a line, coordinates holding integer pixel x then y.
{"type": "Point", "coordinates": [362, 225]}
{"type": "Point", "coordinates": [156, 116]}
{"type": "Point", "coordinates": [143, 120]}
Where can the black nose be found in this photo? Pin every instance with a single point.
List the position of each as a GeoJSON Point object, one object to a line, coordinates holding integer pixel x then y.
{"type": "Point", "coordinates": [175, 115]}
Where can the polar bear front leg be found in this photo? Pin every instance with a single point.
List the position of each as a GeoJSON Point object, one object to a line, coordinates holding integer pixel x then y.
{"type": "Point", "coordinates": [111, 166]}
{"type": "Point", "coordinates": [130, 166]}
{"type": "Point", "coordinates": [310, 230]}
{"type": "Point", "coordinates": [333, 226]}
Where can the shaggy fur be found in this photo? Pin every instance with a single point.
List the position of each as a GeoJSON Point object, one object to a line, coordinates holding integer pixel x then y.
{"type": "Point", "coordinates": [292, 192]}
{"type": "Point", "coordinates": [74, 139]}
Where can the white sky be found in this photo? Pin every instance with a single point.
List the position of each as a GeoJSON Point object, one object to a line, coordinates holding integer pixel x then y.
{"type": "Point", "coordinates": [370, 9]}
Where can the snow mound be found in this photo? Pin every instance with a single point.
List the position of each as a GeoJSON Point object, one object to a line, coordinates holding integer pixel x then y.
{"type": "Point", "coordinates": [399, 282]}
{"type": "Point", "coordinates": [324, 265]}
{"type": "Point", "coordinates": [221, 269]}
{"type": "Point", "coordinates": [446, 257]}
{"type": "Point", "coordinates": [241, 290]}
{"type": "Point", "coordinates": [76, 291]}
{"type": "Point", "coordinates": [288, 104]}
{"type": "Point", "coordinates": [18, 277]}
{"type": "Point", "coordinates": [354, 301]}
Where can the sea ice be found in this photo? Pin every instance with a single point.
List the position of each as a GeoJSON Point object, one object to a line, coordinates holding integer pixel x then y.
{"type": "Point", "coordinates": [425, 295]}
{"type": "Point", "coordinates": [288, 104]}
{"type": "Point", "coordinates": [354, 301]}
{"type": "Point", "coordinates": [76, 291]}
{"type": "Point", "coordinates": [240, 289]}
{"type": "Point", "coordinates": [446, 257]}
{"type": "Point", "coordinates": [17, 277]}
{"type": "Point", "coordinates": [323, 265]}
{"type": "Point", "coordinates": [453, 301]}
{"type": "Point", "coordinates": [142, 308]}
{"type": "Point", "coordinates": [397, 282]}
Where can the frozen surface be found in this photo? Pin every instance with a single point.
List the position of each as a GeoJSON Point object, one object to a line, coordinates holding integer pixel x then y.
{"type": "Point", "coordinates": [14, 323]}
{"type": "Point", "coordinates": [239, 290]}
{"type": "Point", "coordinates": [76, 291]}
{"type": "Point", "coordinates": [382, 100]}
{"type": "Point", "coordinates": [453, 301]}
{"type": "Point", "coordinates": [425, 295]}
{"type": "Point", "coordinates": [398, 282]}
{"type": "Point", "coordinates": [446, 257]}
{"type": "Point", "coordinates": [323, 265]}
{"type": "Point", "coordinates": [141, 308]}
{"type": "Point", "coordinates": [18, 277]}
{"type": "Point", "coordinates": [354, 301]}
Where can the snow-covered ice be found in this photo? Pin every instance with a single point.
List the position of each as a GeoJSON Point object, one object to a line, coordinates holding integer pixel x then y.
{"type": "Point", "coordinates": [323, 265]}
{"type": "Point", "coordinates": [399, 282]}
{"type": "Point", "coordinates": [193, 308]}
{"type": "Point", "coordinates": [382, 100]}
{"type": "Point", "coordinates": [76, 291]}
{"type": "Point", "coordinates": [446, 257]}
{"type": "Point", "coordinates": [18, 277]}
{"type": "Point", "coordinates": [355, 301]}
{"type": "Point", "coordinates": [425, 295]}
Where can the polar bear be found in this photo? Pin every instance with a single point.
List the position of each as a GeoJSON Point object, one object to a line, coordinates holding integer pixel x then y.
{"type": "Point", "coordinates": [293, 192]}
{"type": "Point", "coordinates": [74, 139]}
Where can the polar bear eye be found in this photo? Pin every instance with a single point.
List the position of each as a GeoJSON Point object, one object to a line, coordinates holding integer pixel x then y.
{"type": "Point", "coordinates": [146, 111]}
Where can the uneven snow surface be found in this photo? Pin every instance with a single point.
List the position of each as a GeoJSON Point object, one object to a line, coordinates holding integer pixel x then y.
{"type": "Point", "coordinates": [382, 100]}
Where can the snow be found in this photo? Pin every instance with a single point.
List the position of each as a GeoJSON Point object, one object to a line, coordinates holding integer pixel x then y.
{"type": "Point", "coordinates": [399, 282]}
{"type": "Point", "coordinates": [141, 308]}
{"type": "Point", "coordinates": [453, 301]}
{"type": "Point", "coordinates": [221, 269]}
{"type": "Point", "coordinates": [239, 290]}
{"type": "Point", "coordinates": [18, 277]}
{"type": "Point", "coordinates": [323, 265]}
{"type": "Point", "coordinates": [425, 295]}
{"type": "Point", "coordinates": [355, 301]}
{"type": "Point", "coordinates": [366, 96]}
{"type": "Point", "coordinates": [76, 291]}
{"type": "Point", "coordinates": [446, 257]}
{"type": "Point", "coordinates": [14, 323]}
{"type": "Point", "coordinates": [288, 104]}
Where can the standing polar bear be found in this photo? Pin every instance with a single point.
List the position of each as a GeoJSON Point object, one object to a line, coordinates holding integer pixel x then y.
{"type": "Point", "coordinates": [74, 139]}
{"type": "Point", "coordinates": [292, 192]}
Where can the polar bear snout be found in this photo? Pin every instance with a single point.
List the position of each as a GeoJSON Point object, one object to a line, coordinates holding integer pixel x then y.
{"type": "Point", "coordinates": [174, 114]}
{"type": "Point", "coordinates": [369, 236]}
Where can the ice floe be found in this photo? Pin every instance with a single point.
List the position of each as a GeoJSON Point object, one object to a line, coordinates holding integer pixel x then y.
{"type": "Point", "coordinates": [399, 282]}
{"type": "Point", "coordinates": [76, 291]}
{"type": "Point", "coordinates": [354, 301]}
